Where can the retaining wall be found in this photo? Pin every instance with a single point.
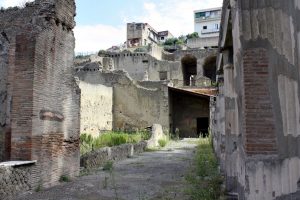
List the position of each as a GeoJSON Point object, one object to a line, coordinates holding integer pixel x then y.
{"type": "Point", "coordinates": [99, 157]}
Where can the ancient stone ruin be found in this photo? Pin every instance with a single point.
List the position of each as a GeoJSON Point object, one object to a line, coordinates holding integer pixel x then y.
{"type": "Point", "coordinates": [46, 101]}
{"type": "Point", "coordinates": [115, 95]}
{"type": "Point", "coordinates": [256, 119]}
{"type": "Point", "coordinates": [39, 110]}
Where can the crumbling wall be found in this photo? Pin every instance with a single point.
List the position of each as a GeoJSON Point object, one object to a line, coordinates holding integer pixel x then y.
{"type": "Point", "coordinates": [137, 107]}
{"type": "Point", "coordinates": [200, 54]}
{"type": "Point", "coordinates": [142, 66]}
{"type": "Point", "coordinates": [127, 105]}
{"type": "Point", "coordinates": [42, 107]}
{"type": "Point", "coordinates": [261, 80]}
{"type": "Point", "coordinates": [15, 180]}
{"type": "Point", "coordinates": [96, 102]}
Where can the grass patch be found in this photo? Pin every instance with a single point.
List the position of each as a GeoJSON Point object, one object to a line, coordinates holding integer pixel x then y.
{"type": "Point", "coordinates": [162, 143]}
{"type": "Point", "coordinates": [204, 178]}
{"type": "Point", "coordinates": [110, 139]}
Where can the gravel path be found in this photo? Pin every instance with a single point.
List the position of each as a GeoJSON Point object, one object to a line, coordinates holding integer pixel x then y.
{"type": "Point", "coordinates": [157, 175]}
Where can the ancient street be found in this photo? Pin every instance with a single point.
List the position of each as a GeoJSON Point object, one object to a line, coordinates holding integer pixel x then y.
{"type": "Point", "coordinates": [151, 175]}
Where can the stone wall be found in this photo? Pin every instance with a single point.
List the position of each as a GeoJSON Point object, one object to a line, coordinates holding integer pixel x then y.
{"type": "Point", "coordinates": [130, 106]}
{"type": "Point", "coordinates": [142, 66]}
{"type": "Point", "coordinates": [202, 42]}
{"type": "Point", "coordinates": [261, 99]}
{"type": "Point", "coordinates": [101, 156]}
{"type": "Point", "coordinates": [15, 180]}
{"type": "Point", "coordinates": [96, 107]}
{"type": "Point", "coordinates": [40, 114]}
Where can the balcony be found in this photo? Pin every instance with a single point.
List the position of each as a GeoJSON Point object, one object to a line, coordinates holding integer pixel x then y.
{"type": "Point", "coordinates": [208, 18]}
{"type": "Point", "coordinates": [209, 31]}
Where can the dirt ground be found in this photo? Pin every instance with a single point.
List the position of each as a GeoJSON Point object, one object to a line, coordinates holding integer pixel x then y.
{"type": "Point", "coordinates": [157, 175]}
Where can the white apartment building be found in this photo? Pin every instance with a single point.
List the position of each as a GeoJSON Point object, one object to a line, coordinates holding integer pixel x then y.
{"type": "Point", "coordinates": [207, 22]}
{"type": "Point", "coordinates": [207, 25]}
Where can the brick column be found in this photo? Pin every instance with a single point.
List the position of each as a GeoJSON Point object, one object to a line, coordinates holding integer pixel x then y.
{"type": "Point", "coordinates": [259, 121]}
{"type": "Point", "coordinates": [22, 99]}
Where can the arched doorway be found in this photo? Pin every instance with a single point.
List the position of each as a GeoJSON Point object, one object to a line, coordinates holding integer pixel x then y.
{"type": "Point", "coordinates": [210, 67]}
{"type": "Point", "coordinates": [189, 68]}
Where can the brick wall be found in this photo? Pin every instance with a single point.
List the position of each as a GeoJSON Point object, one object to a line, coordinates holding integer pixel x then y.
{"type": "Point", "coordinates": [43, 118]}
{"type": "Point", "coordinates": [259, 121]}
{"type": "Point", "coordinates": [3, 92]}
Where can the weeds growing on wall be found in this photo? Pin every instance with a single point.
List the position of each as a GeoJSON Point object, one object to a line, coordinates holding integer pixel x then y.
{"type": "Point", "coordinates": [109, 139]}
{"type": "Point", "coordinates": [204, 177]}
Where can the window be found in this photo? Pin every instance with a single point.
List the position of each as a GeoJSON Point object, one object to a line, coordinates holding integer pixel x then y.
{"type": "Point", "coordinates": [204, 27]}
{"type": "Point", "coordinates": [162, 38]}
{"type": "Point", "coordinates": [200, 14]}
{"type": "Point", "coordinates": [217, 26]}
{"type": "Point", "coordinates": [163, 75]}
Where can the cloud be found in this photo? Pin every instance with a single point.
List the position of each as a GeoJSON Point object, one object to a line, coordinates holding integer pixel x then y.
{"type": "Point", "coordinates": [173, 15]}
{"type": "Point", "coordinates": [12, 3]}
{"type": "Point", "coordinates": [92, 38]}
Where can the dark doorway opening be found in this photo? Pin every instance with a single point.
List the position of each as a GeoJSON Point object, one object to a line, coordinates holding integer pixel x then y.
{"type": "Point", "coordinates": [185, 108]}
{"type": "Point", "coordinates": [202, 126]}
{"type": "Point", "coordinates": [189, 68]}
{"type": "Point", "coordinates": [210, 68]}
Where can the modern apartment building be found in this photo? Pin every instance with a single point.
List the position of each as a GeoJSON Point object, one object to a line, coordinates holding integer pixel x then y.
{"type": "Point", "coordinates": [207, 22]}
{"type": "Point", "coordinates": [142, 34]}
{"type": "Point", "coordinates": [207, 25]}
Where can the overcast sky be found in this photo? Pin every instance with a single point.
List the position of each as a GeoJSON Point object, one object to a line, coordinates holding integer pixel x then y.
{"type": "Point", "coordinates": [102, 23]}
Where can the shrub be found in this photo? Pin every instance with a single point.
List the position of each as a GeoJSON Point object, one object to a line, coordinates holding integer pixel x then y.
{"type": "Point", "coordinates": [162, 143]}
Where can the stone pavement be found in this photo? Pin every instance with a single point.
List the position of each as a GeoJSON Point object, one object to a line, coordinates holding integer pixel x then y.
{"type": "Point", "coordinates": [150, 176]}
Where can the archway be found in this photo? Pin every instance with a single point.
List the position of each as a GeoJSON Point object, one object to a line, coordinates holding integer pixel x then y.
{"type": "Point", "coordinates": [189, 68]}
{"type": "Point", "coordinates": [210, 67]}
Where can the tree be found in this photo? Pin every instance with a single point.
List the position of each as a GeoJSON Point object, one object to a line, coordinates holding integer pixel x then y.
{"type": "Point", "coordinates": [192, 35]}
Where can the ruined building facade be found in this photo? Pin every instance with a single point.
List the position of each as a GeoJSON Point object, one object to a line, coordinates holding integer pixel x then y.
{"type": "Point", "coordinates": [131, 91]}
{"type": "Point", "coordinates": [256, 121]}
{"type": "Point", "coordinates": [39, 109]}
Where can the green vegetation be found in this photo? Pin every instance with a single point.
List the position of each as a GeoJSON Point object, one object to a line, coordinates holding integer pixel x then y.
{"type": "Point", "coordinates": [205, 179]}
{"type": "Point", "coordinates": [109, 139]}
{"type": "Point", "coordinates": [181, 39]}
{"type": "Point", "coordinates": [162, 143]}
{"type": "Point", "coordinates": [103, 53]}
{"type": "Point", "coordinates": [64, 178]}
{"type": "Point", "coordinates": [192, 35]}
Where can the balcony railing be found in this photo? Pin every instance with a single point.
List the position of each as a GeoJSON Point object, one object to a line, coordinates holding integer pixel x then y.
{"type": "Point", "coordinates": [207, 31]}
{"type": "Point", "coordinates": [211, 17]}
